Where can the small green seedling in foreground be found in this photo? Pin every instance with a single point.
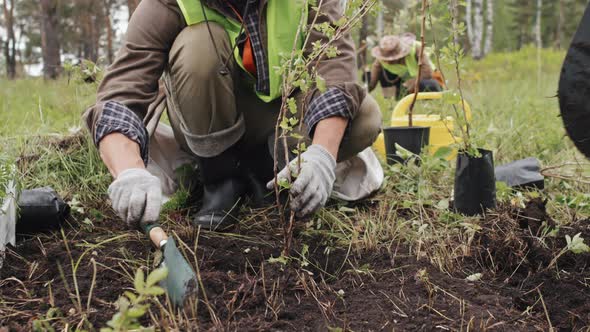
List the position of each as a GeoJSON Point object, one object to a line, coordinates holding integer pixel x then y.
{"type": "Point", "coordinates": [44, 323]}
{"type": "Point", "coordinates": [76, 206]}
{"type": "Point", "coordinates": [133, 306]}
{"type": "Point", "coordinates": [576, 244]}
{"type": "Point", "coordinates": [403, 153]}
{"type": "Point", "coordinates": [284, 260]}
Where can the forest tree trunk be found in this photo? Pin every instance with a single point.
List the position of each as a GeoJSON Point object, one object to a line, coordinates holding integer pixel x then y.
{"type": "Point", "coordinates": [50, 39]}
{"type": "Point", "coordinates": [343, 4]}
{"type": "Point", "coordinates": [10, 42]}
{"type": "Point", "coordinates": [476, 47]}
{"type": "Point", "coordinates": [538, 36]}
{"type": "Point", "coordinates": [560, 25]}
{"type": "Point", "coordinates": [468, 21]}
{"type": "Point", "coordinates": [109, 28]}
{"type": "Point", "coordinates": [489, 42]}
{"type": "Point", "coordinates": [380, 25]}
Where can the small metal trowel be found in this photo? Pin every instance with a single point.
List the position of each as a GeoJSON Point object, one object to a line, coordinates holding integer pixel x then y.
{"type": "Point", "coordinates": [181, 280]}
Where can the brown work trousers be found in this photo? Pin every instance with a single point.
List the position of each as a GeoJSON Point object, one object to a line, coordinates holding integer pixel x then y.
{"type": "Point", "coordinates": [210, 112]}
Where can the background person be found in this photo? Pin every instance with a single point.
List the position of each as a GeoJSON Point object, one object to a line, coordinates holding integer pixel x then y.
{"type": "Point", "coordinates": [396, 67]}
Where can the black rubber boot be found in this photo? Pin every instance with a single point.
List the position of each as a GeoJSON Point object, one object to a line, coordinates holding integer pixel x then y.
{"type": "Point", "coordinates": [258, 171]}
{"type": "Point", "coordinates": [223, 191]}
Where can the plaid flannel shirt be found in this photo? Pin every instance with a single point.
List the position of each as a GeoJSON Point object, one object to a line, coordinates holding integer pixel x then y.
{"type": "Point", "coordinates": [118, 118]}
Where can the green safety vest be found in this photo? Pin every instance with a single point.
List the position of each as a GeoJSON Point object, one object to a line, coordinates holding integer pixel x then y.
{"type": "Point", "coordinates": [410, 68]}
{"type": "Point", "coordinates": [283, 18]}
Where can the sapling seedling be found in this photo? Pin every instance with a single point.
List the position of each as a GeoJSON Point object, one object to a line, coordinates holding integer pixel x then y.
{"type": "Point", "coordinates": [453, 53]}
{"type": "Point", "coordinates": [299, 72]}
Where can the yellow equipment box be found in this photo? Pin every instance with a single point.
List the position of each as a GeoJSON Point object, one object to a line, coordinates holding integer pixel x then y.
{"type": "Point", "coordinates": [440, 129]}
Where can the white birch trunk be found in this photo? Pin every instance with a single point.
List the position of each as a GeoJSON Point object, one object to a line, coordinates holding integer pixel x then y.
{"type": "Point", "coordinates": [538, 36]}
{"type": "Point", "coordinates": [468, 21]}
{"type": "Point", "coordinates": [476, 47]}
{"type": "Point", "coordinates": [343, 4]}
{"type": "Point", "coordinates": [560, 24]}
{"type": "Point", "coordinates": [488, 45]}
{"type": "Point", "coordinates": [380, 26]}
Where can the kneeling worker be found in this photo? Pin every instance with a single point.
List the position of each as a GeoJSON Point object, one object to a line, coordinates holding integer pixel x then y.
{"type": "Point", "coordinates": [222, 95]}
{"type": "Point", "coordinates": [396, 67]}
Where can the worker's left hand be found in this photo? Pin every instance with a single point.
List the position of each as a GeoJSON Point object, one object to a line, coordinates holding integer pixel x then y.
{"type": "Point", "coordinates": [313, 183]}
{"type": "Point", "coordinates": [136, 196]}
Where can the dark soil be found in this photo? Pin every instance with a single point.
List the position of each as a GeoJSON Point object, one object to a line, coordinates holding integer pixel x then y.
{"type": "Point", "coordinates": [524, 267]}
{"type": "Point", "coordinates": [32, 279]}
{"type": "Point", "coordinates": [329, 290]}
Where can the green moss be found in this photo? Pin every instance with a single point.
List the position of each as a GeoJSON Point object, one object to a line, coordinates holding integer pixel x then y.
{"type": "Point", "coordinates": [177, 202]}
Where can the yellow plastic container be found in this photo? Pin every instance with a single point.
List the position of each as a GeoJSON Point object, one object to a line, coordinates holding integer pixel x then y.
{"type": "Point", "coordinates": [440, 129]}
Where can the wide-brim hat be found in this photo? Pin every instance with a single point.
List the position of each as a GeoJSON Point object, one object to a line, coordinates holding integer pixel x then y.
{"type": "Point", "coordinates": [408, 37]}
{"type": "Point", "coordinates": [392, 48]}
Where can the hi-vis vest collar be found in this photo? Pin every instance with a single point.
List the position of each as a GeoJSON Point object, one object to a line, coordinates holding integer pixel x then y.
{"type": "Point", "coordinates": [283, 18]}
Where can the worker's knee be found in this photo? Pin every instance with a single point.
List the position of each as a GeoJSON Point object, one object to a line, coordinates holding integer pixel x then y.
{"type": "Point", "coordinates": [364, 129]}
{"type": "Point", "coordinates": [195, 55]}
{"type": "Point", "coordinates": [370, 120]}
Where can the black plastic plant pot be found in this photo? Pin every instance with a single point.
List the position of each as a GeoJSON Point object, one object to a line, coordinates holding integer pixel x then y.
{"type": "Point", "coordinates": [413, 139]}
{"type": "Point", "coordinates": [475, 183]}
{"type": "Point", "coordinates": [40, 210]}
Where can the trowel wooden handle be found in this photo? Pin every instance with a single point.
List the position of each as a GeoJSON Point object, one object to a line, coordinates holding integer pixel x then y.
{"type": "Point", "coordinates": [157, 235]}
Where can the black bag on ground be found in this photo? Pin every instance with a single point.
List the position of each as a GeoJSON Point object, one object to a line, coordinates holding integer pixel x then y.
{"type": "Point", "coordinates": [475, 183]}
{"type": "Point", "coordinates": [574, 87]}
{"type": "Point", "coordinates": [40, 210]}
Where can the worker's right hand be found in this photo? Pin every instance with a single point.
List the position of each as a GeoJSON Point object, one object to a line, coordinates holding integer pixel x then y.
{"type": "Point", "coordinates": [136, 197]}
{"type": "Point", "coordinates": [314, 182]}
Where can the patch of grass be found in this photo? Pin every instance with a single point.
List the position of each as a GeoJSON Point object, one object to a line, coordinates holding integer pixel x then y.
{"type": "Point", "coordinates": [69, 165]}
{"type": "Point", "coordinates": [42, 130]}
{"type": "Point", "coordinates": [516, 111]}
{"type": "Point", "coordinates": [37, 107]}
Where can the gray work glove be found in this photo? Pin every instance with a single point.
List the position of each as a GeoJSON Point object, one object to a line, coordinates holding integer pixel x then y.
{"type": "Point", "coordinates": [313, 184]}
{"type": "Point", "coordinates": [136, 196]}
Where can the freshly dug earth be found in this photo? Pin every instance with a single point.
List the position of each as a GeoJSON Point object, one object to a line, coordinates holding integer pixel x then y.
{"type": "Point", "coordinates": [521, 287]}
{"type": "Point", "coordinates": [524, 263]}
